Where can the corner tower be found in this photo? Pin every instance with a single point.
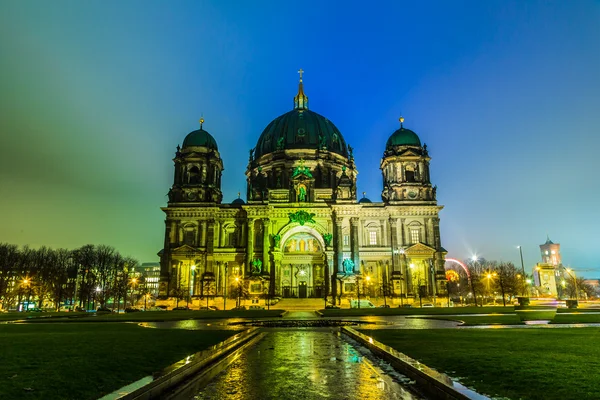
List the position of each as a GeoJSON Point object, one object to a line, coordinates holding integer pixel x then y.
{"type": "Point", "coordinates": [198, 170]}
{"type": "Point", "coordinates": [418, 256]}
{"type": "Point", "coordinates": [194, 198]}
{"type": "Point", "coordinates": [405, 168]}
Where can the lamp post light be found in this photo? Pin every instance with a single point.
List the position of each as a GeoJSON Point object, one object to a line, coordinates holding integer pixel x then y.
{"type": "Point", "coordinates": [522, 268]}
{"type": "Point", "coordinates": [27, 282]}
{"type": "Point", "coordinates": [98, 290]}
{"type": "Point", "coordinates": [133, 283]}
{"type": "Point", "coordinates": [475, 259]}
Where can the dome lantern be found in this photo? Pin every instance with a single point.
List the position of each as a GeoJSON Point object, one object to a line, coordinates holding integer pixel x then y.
{"type": "Point", "coordinates": [300, 100]}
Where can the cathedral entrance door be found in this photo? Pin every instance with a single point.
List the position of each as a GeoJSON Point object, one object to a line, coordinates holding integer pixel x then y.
{"type": "Point", "coordinates": [302, 290]}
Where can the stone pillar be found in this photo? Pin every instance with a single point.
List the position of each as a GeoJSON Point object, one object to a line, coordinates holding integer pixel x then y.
{"type": "Point", "coordinates": [249, 245]}
{"type": "Point", "coordinates": [354, 244]}
{"type": "Point", "coordinates": [403, 232]}
{"type": "Point", "coordinates": [394, 243]}
{"type": "Point", "coordinates": [339, 245]}
{"type": "Point", "coordinates": [266, 245]}
{"type": "Point", "coordinates": [210, 244]}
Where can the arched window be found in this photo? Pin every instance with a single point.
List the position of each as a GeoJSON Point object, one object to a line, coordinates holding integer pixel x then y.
{"type": "Point", "coordinates": [189, 235]}
{"type": "Point", "coordinates": [194, 175]}
{"type": "Point", "coordinates": [409, 172]}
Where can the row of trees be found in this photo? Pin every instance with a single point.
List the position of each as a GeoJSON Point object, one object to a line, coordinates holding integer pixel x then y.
{"type": "Point", "coordinates": [491, 280]}
{"type": "Point", "coordinates": [87, 275]}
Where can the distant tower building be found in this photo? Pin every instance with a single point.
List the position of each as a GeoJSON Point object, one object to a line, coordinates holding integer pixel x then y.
{"type": "Point", "coordinates": [550, 252]}
{"type": "Point", "coordinates": [548, 273]}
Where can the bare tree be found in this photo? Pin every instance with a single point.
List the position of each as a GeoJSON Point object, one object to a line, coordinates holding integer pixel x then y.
{"type": "Point", "coordinates": [507, 280]}
{"type": "Point", "coordinates": [9, 259]}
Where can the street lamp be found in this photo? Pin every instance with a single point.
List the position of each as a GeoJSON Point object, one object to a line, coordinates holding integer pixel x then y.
{"type": "Point", "coordinates": [475, 259]}
{"type": "Point", "coordinates": [523, 268]}
{"type": "Point", "coordinates": [27, 282]}
{"type": "Point", "coordinates": [98, 290]}
{"type": "Point", "coordinates": [133, 283]}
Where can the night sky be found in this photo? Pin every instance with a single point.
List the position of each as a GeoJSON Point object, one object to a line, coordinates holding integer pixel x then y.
{"type": "Point", "coordinates": [95, 97]}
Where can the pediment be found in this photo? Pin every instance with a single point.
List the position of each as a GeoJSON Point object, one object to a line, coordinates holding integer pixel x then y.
{"type": "Point", "coordinates": [185, 249]}
{"type": "Point", "coordinates": [409, 153]}
{"type": "Point", "coordinates": [420, 249]}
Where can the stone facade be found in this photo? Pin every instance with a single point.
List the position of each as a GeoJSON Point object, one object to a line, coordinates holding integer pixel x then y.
{"type": "Point", "coordinates": [302, 232]}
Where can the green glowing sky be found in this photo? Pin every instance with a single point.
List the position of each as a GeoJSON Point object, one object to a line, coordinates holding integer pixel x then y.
{"type": "Point", "coordinates": [95, 96]}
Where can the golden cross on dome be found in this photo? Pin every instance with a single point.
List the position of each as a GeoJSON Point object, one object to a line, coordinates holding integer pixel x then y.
{"type": "Point", "coordinates": [201, 122]}
{"type": "Point", "coordinates": [300, 71]}
{"type": "Point", "coordinates": [401, 119]}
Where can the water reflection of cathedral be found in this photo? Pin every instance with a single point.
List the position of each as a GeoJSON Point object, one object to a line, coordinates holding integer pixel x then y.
{"type": "Point", "coordinates": [302, 232]}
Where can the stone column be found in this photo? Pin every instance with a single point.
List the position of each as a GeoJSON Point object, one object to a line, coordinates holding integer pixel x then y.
{"type": "Point", "coordinates": [210, 244]}
{"type": "Point", "coordinates": [339, 245]}
{"type": "Point", "coordinates": [249, 245]}
{"type": "Point", "coordinates": [354, 243]}
{"type": "Point", "coordinates": [403, 231]}
{"type": "Point", "coordinates": [394, 243]}
{"type": "Point", "coordinates": [266, 245]}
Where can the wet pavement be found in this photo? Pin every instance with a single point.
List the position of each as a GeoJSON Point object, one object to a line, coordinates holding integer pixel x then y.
{"type": "Point", "coordinates": [370, 322]}
{"type": "Point", "coordinates": [305, 364]}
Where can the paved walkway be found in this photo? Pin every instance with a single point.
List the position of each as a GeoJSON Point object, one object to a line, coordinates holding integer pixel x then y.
{"type": "Point", "coordinates": [295, 364]}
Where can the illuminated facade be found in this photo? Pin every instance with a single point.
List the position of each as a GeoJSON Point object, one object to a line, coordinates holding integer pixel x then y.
{"type": "Point", "coordinates": [302, 232]}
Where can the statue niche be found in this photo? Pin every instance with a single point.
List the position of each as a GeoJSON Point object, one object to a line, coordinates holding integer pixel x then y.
{"type": "Point", "coordinates": [302, 181]}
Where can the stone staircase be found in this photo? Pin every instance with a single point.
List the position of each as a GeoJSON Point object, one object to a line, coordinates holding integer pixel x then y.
{"type": "Point", "coordinates": [299, 304]}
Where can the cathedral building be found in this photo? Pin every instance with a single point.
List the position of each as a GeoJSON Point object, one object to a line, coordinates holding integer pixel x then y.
{"type": "Point", "coordinates": [302, 231]}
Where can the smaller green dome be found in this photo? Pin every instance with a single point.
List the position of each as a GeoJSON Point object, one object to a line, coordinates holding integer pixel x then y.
{"type": "Point", "coordinates": [238, 201]}
{"type": "Point", "coordinates": [403, 137]}
{"type": "Point", "coordinates": [364, 200]}
{"type": "Point", "coordinates": [200, 138]}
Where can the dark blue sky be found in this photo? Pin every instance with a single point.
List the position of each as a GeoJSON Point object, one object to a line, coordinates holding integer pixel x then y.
{"type": "Point", "coordinates": [95, 96]}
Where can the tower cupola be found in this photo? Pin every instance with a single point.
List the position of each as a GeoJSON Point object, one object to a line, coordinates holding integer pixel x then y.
{"type": "Point", "coordinates": [405, 168]}
{"type": "Point", "coordinates": [198, 170]}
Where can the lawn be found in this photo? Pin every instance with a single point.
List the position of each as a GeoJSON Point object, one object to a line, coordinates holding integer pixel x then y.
{"type": "Point", "coordinates": [513, 319]}
{"type": "Point", "coordinates": [355, 312]}
{"type": "Point", "coordinates": [147, 316]}
{"type": "Point", "coordinates": [549, 364]}
{"type": "Point", "coordinates": [85, 361]}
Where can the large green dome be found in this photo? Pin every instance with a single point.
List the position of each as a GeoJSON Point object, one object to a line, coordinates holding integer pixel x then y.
{"type": "Point", "coordinates": [200, 138]}
{"type": "Point", "coordinates": [301, 129]}
{"type": "Point", "coordinates": [403, 137]}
